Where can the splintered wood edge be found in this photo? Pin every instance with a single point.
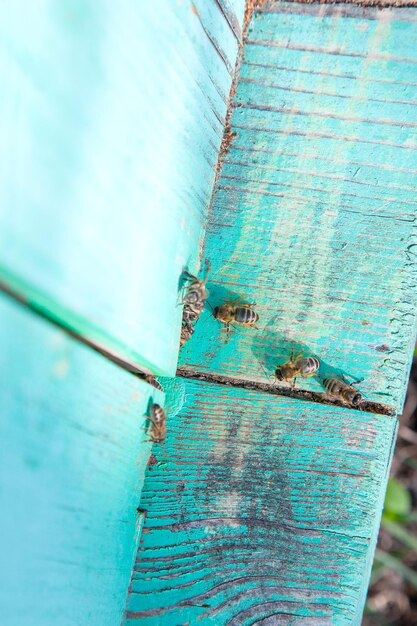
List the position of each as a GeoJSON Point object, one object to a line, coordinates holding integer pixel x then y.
{"type": "Point", "coordinates": [341, 8]}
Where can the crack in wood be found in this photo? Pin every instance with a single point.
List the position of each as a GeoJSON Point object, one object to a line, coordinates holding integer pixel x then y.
{"type": "Point", "coordinates": [279, 390]}
{"type": "Point", "coordinates": [345, 8]}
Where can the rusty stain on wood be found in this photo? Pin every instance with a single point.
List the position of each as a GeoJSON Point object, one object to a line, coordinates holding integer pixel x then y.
{"type": "Point", "coordinates": [251, 7]}
{"type": "Point", "coordinates": [231, 18]}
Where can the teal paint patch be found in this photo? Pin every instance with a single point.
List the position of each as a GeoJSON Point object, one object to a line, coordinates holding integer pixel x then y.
{"type": "Point", "coordinates": [175, 390]}
{"type": "Point", "coordinates": [73, 452]}
{"type": "Point", "coordinates": [260, 507]}
{"type": "Point", "coordinates": [112, 125]}
{"type": "Point", "coordinates": [314, 215]}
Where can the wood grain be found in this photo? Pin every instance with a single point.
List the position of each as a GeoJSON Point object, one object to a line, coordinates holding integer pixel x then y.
{"type": "Point", "coordinates": [73, 451]}
{"type": "Point", "coordinates": [314, 216]}
{"type": "Point", "coordinates": [112, 122]}
{"type": "Point", "coordinates": [259, 510]}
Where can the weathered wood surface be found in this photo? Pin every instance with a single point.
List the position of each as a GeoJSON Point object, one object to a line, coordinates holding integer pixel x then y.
{"type": "Point", "coordinates": [73, 452]}
{"type": "Point", "coordinates": [361, 3]}
{"type": "Point", "coordinates": [111, 122]}
{"type": "Point", "coordinates": [259, 509]}
{"type": "Point", "coordinates": [314, 217]}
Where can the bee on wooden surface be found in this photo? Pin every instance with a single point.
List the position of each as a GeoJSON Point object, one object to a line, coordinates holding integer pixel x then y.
{"type": "Point", "coordinates": [152, 381]}
{"type": "Point", "coordinates": [189, 316]}
{"type": "Point", "coordinates": [343, 391]}
{"type": "Point", "coordinates": [300, 366]}
{"type": "Point", "coordinates": [187, 331]}
{"type": "Point", "coordinates": [242, 314]}
{"type": "Point", "coordinates": [158, 421]}
{"type": "Point", "coordinates": [196, 292]}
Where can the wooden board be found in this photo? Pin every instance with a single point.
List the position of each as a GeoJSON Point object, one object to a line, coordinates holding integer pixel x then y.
{"type": "Point", "coordinates": [73, 452]}
{"type": "Point", "coordinates": [112, 119]}
{"type": "Point", "coordinates": [314, 217]}
{"type": "Point", "coordinates": [259, 509]}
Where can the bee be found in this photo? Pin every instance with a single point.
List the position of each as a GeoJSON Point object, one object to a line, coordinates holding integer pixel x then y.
{"type": "Point", "coordinates": [151, 380]}
{"type": "Point", "coordinates": [196, 292]}
{"type": "Point", "coordinates": [342, 390]}
{"type": "Point", "coordinates": [300, 366]}
{"type": "Point", "coordinates": [242, 314]}
{"type": "Point", "coordinates": [158, 420]}
{"type": "Point", "coordinates": [187, 331]}
{"type": "Point", "coordinates": [189, 316]}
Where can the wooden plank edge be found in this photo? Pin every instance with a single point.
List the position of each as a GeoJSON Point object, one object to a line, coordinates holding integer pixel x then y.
{"type": "Point", "coordinates": [278, 390]}
{"type": "Point", "coordinates": [376, 527]}
{"type": "Point", "coordinates": [75, 325]}
{"type": "Point", "coordinates": [365, 9]}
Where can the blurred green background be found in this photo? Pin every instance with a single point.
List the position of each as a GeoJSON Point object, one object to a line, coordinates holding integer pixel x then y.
{"type": "Point", "coordinates": [392, 597]}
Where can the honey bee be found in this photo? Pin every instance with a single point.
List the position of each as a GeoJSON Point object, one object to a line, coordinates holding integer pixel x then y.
{"type": "Point", "coordinates": [343, 391]}
{"type": "Point", "coordinates": [196, 292]}
{"type": "Point", "coordinates": [242, 314]}
{"type": "Point", "coordinates": [187, 331]}
{"type": "Point", "coordinates": [151, 380]}
{"type": "Point", "coordinates": [158, 420]}
{"type": "Point", "coordinates": [189, 316]}
{"type": "Point", "coordinates": [300, 366]}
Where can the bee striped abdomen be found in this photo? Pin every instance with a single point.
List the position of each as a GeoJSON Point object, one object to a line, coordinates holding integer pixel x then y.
{"type": "Point", "coordinates": [309, 366]}
{"type": "Point", "coordinates": [152, 381]}
{"type": "Point", "coordinates": [332, 385]}
{"type": "Point", "coordinates": [187, 331]}
{"type": "Point", "coordinates": [342, 390]}
{"type": "Point", "coordinates": [194, 298]}
{"type": "Point", "coordinates": [196, 293]}
{"type": "Point", "coordinates": [189, 315]}
{"type": "Point", "coordinates": [159, 424]}
{"type": "Point", "coordinates": [245, 315]}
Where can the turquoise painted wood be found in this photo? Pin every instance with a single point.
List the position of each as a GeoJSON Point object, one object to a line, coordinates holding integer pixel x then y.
{"type": "Point", "coordinates": [73, 452]}
{"type": "Point", "coordinates": [111, 122]}
{"type": "Point", "coordinates": [259, 510]}
{"type": "Point", "coordinates": [314, 216]}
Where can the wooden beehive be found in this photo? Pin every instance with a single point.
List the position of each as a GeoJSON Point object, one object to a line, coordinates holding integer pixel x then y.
{"type": "Point", "coordinates": [263, 505]}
